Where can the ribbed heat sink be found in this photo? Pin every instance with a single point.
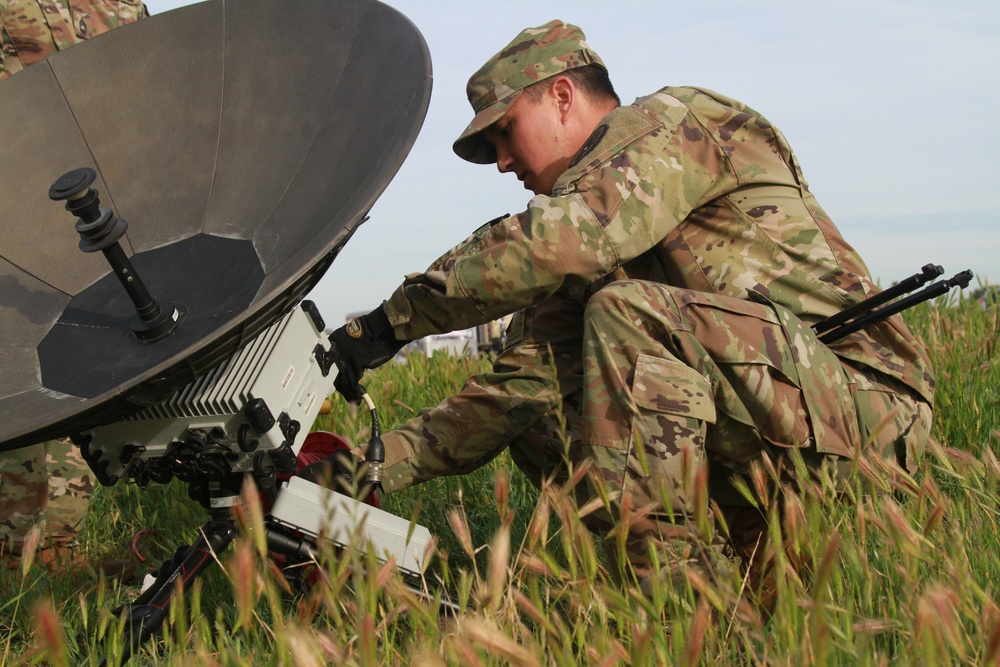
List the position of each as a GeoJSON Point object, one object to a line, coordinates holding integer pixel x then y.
{"type": "Point", "coordinates": [226, 389]}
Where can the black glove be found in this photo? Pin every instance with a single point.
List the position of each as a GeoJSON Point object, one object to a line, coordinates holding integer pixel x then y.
{"type": "Point", "coordinates": [364, 342]}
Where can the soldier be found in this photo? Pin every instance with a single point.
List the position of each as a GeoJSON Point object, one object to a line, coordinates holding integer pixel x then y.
{"type": "Point", "coordinates": [49, 481]}
{"type": "Point", "coordinates": [666, 276]}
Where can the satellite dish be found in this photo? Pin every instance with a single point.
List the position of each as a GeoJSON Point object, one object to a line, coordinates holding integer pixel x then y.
{"type": "Point", "coordinates": [242, 141]}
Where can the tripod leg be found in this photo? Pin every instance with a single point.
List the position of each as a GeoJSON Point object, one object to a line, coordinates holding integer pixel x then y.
{"type": "Point", "coordinates": [295, 548]}
{"type": "Point", "coordinates": [146, 617]}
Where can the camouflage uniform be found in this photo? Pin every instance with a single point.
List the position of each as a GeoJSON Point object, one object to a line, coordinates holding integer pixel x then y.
{"type": "Point", "coordinates": [35, 29]}
{"type": "Point", "coordinates": [48, 481]}
{"type": "Point", "coordinates": [668, 285]}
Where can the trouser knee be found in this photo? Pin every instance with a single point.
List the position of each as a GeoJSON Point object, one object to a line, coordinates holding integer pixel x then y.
{"type": "Point", "coordinates": [627, 305]}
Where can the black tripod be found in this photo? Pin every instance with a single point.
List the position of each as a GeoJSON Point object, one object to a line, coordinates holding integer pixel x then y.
{"type": "Point", "coordinates": [218, 492]}
{"type": "Point", "coordinates": [145, 615]}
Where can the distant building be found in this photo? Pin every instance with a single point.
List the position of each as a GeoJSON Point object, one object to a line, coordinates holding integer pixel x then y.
{"type": "Point", "coordinates": [463, 343]}
{"type": "Point", "coordinates": [485, 339]}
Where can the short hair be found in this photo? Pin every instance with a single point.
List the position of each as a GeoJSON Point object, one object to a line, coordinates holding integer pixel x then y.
{"type": "Point", "coordinates": [591, 79]}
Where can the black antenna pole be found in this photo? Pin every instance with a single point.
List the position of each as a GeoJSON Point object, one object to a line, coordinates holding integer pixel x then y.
{"type": "Point", "coordinates": [961, 280]}
{"type": "Point", "coordinates": [927, 273]}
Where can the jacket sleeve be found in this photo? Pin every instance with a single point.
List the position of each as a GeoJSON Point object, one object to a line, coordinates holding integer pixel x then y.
{"type": "Point", "coordinates": [640, 181]}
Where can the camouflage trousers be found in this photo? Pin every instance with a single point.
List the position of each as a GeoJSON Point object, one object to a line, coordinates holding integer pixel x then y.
{"type": "Point", "coordinates": [676, 383]}
{"type": "Point", "coordinates": [48, 482]}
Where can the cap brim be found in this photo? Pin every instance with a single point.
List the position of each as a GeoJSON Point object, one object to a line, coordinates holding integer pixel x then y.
{"type": "Point", "coordinates": [471, 145]}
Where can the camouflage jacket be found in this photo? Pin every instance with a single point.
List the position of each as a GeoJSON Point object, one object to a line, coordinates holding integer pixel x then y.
{"type": "Point", "coordinates": [35, 29]}
{"type": "Point", "coordinates": [683, 187]}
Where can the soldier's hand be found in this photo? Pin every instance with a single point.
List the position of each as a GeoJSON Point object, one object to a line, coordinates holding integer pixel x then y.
{"type": "Point", "coordinates": [364, 342]}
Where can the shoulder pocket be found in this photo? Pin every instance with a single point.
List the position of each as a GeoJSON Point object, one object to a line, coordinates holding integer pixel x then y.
{"type": "Point", "coordinates": [625, 126]}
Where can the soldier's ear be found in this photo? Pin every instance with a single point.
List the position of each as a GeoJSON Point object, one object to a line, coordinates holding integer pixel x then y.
{"type": "Point", "coordinates": [564, 94]}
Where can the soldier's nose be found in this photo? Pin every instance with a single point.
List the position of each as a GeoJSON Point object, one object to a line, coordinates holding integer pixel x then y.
{"type": "Point", "coordinates": [503, 163]}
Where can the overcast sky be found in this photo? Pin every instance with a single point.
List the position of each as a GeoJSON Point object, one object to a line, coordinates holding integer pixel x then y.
{"type": "Point", "coordinates": [892, 106]}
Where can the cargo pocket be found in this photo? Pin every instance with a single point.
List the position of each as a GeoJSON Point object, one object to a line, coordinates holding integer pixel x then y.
{"type": "Point", "coordinates": [825, 388]}
{"type": "Point", "coordinates": [893, 424]}
{"type": "Point", "coordinates": [763, 397]}
{"type": "Point", "coordinates": [759, 384]}
{"type": "Point", "coordinates": [776, 378]}
{"type": "Point", "coordinates": [669, 386]}
{"type": "Point", "coordinates": [675, 406]}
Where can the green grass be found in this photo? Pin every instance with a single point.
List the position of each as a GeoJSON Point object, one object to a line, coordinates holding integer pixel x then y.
{"type": "Point", "coordinates": [902, 576]}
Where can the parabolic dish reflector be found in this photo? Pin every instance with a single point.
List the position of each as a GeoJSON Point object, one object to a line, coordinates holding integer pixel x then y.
{"type": "Point", "coordinates": [243, 141]}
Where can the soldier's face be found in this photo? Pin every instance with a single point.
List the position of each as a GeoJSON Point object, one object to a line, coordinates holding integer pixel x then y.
{"type": "Point", "coordinates": [529, 140]}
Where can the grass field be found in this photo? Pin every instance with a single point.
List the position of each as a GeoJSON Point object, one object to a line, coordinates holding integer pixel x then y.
{"type": "Point", "coordinates": [902, 575]}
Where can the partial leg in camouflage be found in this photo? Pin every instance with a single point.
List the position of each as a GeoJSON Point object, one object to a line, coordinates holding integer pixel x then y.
{"type": "Point", "coordinates": [70, 487]}
{"type": "Point", "coordinates": [554, 351]}
{"type": "Point", "coordinates": [48, 482]}
{"type": "Point", "coordinates": [673, 377]}
{"type": "Point", "coordinates": [24, 494]}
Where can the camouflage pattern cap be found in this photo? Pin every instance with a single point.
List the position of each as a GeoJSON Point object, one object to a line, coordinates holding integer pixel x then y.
{"type": "Point", "coordinates": [534, 55]}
